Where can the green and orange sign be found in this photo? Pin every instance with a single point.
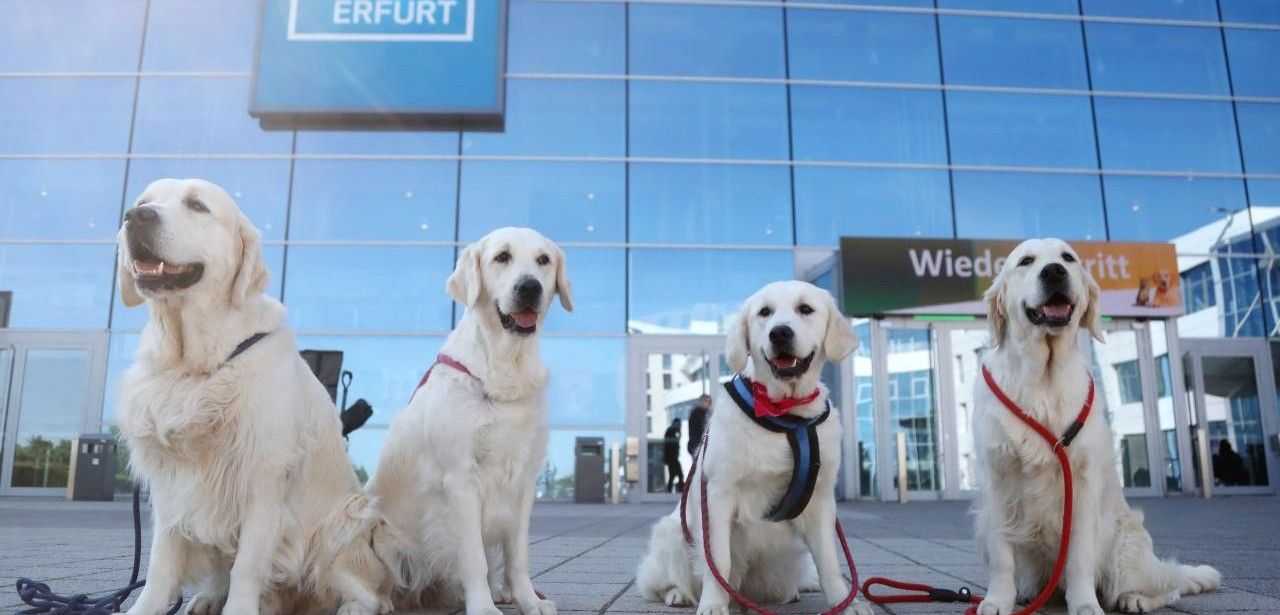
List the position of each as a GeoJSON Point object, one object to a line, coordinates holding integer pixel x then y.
{"type": "Point", "coordinates": [949, 276]}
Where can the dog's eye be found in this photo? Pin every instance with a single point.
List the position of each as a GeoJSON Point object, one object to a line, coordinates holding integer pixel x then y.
{"type": "Point", "coordinates": [1026, 260]}
{"type": "Point", "coordinates": [765, 312]}
{"type": "Point", "coordinates": [543, 259]}
{"type": "Point", "coordinates": [196, 206]}
{"type": "Point", "coordinates": [1066, 256]}
{"type": "Point", "coordinates": [502, 257]}
{"type": "Point", "coordinates": [805, 309]}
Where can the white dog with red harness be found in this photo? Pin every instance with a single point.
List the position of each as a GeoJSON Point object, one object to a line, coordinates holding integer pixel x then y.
{"type": "Point", "coordinates": [457, 474]}
{"type": "Point", "coordinates": [767, 465]}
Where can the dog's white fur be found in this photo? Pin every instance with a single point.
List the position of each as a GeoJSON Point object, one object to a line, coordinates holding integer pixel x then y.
{"type": "Point", "coordinates": [748, 468]}
{"type": "Point", "coordinates": [1019, 508]}
{"type": "Point", "coordinates": [254, 497]}
{"type": "Point", "coordinates": [458, 470]}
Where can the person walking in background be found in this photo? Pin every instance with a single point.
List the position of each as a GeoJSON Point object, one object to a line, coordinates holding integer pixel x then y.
{"type": "Point", "coordinates": [671, 456]}
{"type": "Point", "coordinates": [1228, 466]}
{"type": "Point", "coordinates": [698, 422]}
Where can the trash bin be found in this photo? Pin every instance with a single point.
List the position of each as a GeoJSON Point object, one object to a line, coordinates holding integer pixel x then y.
{"type": "Point", "coordinates": [588, 471]}
{"type": "Point", "coordinates": [93, 468]}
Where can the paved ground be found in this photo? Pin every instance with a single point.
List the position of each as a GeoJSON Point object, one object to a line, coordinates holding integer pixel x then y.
{"type": "Point", "coordinates": [585, 556]}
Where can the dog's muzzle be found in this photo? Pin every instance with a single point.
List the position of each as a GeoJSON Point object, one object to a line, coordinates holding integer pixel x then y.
{"type": "Point", "coordinates": [150, 271]}
{"type": "Point", "coordinates": [1055, 311]}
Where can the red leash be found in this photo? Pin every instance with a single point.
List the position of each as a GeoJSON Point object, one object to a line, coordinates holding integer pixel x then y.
{"type": "Point", "coordinates": [706, 542]}
{"type": "Point", "coordinates": [1060, 450]}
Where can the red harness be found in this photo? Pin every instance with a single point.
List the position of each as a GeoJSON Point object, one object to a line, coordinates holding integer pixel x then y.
{"type": "Point", "coordinates": [1060, 450]}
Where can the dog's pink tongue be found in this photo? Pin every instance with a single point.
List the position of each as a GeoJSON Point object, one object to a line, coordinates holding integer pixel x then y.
{"type": "Point", "coordinates": [526, 319]}
{"type": "Point", "coordinates": [1057, 310]}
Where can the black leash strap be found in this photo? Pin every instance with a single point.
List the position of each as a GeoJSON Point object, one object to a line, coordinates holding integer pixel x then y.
{"type": "Point", "coordinates": [41, 599]}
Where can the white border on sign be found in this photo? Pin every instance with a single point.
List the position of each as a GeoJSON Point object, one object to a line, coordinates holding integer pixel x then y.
{"type": "Point", "coordinates": [464, 37]}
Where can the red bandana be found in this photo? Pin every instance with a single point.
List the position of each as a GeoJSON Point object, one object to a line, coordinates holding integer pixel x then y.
{"type": "Point", "coordinates": [764, 406]}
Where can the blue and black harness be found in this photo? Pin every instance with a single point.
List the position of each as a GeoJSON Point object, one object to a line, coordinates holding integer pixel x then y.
{"type": "Point", "coordinates": [802, 434]}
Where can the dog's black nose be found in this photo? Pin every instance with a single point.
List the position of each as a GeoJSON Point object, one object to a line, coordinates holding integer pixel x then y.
{"type": "Point", "coordinates": [528, 290]}
{"type": "Point", "coordinates": [1053, 273]}
{"type": "Point", "coordinates": [142, 215]}
{"type": "Point", "coordinates": [781, 335]}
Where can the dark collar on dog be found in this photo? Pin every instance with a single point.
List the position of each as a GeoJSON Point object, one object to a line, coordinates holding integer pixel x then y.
{"type": "Point", "coordinates": [245, 345]}
{"type": "Point", "coordinates": [443, 359]}
{"type": "Point", "coordinates": [802, 434]}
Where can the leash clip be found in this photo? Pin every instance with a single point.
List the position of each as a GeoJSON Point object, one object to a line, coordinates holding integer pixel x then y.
{"type": "Point", "coordinates": [946, 595]}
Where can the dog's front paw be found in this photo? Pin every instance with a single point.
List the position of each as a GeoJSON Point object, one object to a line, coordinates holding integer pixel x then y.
{"type": "Point", "coordinates": [538, 606]}
{"type": "Point", "coordinates": [500, 593]}
{"type": "Point", "coordinates": [242, 605]}
{"type": "Point", "coordinates": [207, 603]}
{"type": "Point", "coordinates": [859, 608]}
{"type": "Point", "coordinates": [356, 608]}
{"type": "Point", "coordinates": [713, 608]}
{"type": "Point", "coordinates": [675, 597]}
{"type": "Point", "coordinates": [483, 609]}
{"type": "Point", "coordinates": [995, 605]}
{"type": "Point", "coordinates": [1088, 608]}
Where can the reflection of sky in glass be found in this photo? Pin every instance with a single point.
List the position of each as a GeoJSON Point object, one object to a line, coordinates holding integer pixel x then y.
{"type": "Point", "coordinates": [1260, 133]}
{"type": "Point", "coordinates": [1139, 58]}
{"type": "Point", "coordinates": [587, 385]}
{"type": "Point", "coordinates": [199, 115]}
{"type": "Point", "coordinates": [1253, 54]}
{"type": "Point", "coordinates": [1159, 209]}
{"type": "Point", "coordinates": [1018, 205]}
{"type": "Point", "coordinates": [712, 120]}
{"type": "Point", "coordinates": [862, 46]}
{"type": "Point", "coordinates": [730, 41]}
{"type": "Point", "coordinates": [120, 355]}
{"type": "Point", "coordinates": [565, 37]}
{"type": "Point", "coordinates": [562, 200]}
{"type": "Point", "coordinates": [1202, 10]}
{"type": "Point", "coordinates": [65, 115]}
{"type": "Point", "coordinates": [685, 203]}
{"type": "Point", "coordinates": [58, 286]}
{"type": "Point", "coordinates": [54, 385]}
{"type": "Point", "coordinates": [382, 199]}
{"type": "Point", "coordinates": [698, 289]}
{"type": "Point", "coordinates": [833, 203]}
{"type": "Point", "coordinates": [1169, 135]}
{"type": "Point", "coordinates": [182, 34]}
{"type": "Point", "coordinates": [1021, 130]}
{"type": "Point", "coordinates": [104, 35]}
{"type": "Point", "coordinates": [867, 125]}
{"type": "Point", "coordinates": [598, 277]}
{"type": "Point", "coordinates": [39, 202]}
{"type": "Point", "coordinates": [566, 118]}
{"type": "Point", "coordinates": [1022, 6]}
{"type": "Point", "coordinates": [382, 288]}
{"type": "Point", "coordinates": [1012, 52]}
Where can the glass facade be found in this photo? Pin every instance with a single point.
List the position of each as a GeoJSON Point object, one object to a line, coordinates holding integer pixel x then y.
{"type": "Point", "coordinates": [684, 154]}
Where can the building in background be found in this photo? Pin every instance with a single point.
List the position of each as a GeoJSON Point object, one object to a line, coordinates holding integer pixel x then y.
{"type": "Point", "coordinates": [683, 154]}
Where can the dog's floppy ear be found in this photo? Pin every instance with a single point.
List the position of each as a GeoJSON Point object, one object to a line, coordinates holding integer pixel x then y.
{"type": "Point", "coordinates": [1092, 317]}
{"type": "Point", "coordinates": [737, 342]}
{"type": "Point", "coordinates": [997, 319]}
{"type": "Point", "coordinates": [251, 273]}
{"type": "Point", "coordinates": [124, 273]}
{"type": "Point", "coordinates": [840, 339]}
{"type": "Point", "coordinates": [563, 287]}
{"type": "Point", "coordinates": [464, 283]}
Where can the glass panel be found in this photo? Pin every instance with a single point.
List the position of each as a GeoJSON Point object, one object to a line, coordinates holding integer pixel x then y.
{"type": "Point", "coordinates": [832, 203]}
{"type": "Point", "coordinates": [1225, 289]}
{"type": "Point", "coordinates": [1018, 205]}
{"type": "Point", "coordinates": [409, 143]}
{"type": "Point", "coordinates": [61, 115]}
{"type": "Point", "coordinates": [1118, 381]}
{"type": "Point", "coordinates": [685, 203]}
{"type": "Point", "coordinates": [6, 377]}
{"type": "Point", "coordinates": [58, 285]}
{"type": "Point", "coordinates": [49, 415]}
{"type": "Point", "coordinates": [373, 199]}
{"type": "Point", "coordinates": [862, 382]}
{"type": "Point", "coordinates": [697, 291]}
{"type": "Point", "coordinates": [556, 480]}
{"type": "Point", "coordinates": [1250, 11]}
{"type": "Point", "coordinates": [675, 386]}
{"type": "Point", "coordinates": [385, 370]}
{"type": "Point", "coordinates": [1193, 415]}
{"type": "Point", "coordinates": [1199, 10]}
{"type": "Point", "coordinates": [1021, 130]}
{"type": "Point", "coordinates": [1164, 407]}
{"type": "Point", "coordinates": [867, 125]}
{"type": "Point", "coordinates": [566, 37]}
{"type": "Point", "coordinates": [259, 187]}
{"type": "Point", "coordinates": [725, 41]}
{"type": "Point", "coordinates": [567, 118]}
{"type": "Point", "coordinates": [1253, 54]}
{"type": "Point", "coordinates": [1234, 420]}
{"type": "Point", "coordinates": [71, 35]}
{"type": "Point", "coordinates": [1022, 6]}
{"type": "Point", "coordinates": [564, 201]}
{"type": "Point", "coordinates": [1167, 135]}
{"type": "Point", "coordinates": [365, 287]}
{"type": "Point", "coordinates": [1177, 59]}
{"type": "Point", "coordinates": [60, 199]}
{"type": "Point", "coordinates": [714, 120]}
{"type": "Point", "coordinates": [181, 34]}
{"type": "Point", "coordinates": [967, 348]}
{"type": "Point", "coordinates": [1260, 133]}
{"type": "Point", "coordinates": [206, 115]}
{"type": "Point", "coordinates": [588, 383]}
{"type": "Point", "coordinates": [599, 280]}
{"type": "Point", "coordinates": [120, 354]}
{"type": "Point", "coordinates": [1164, 209]}
{"type": "Point", "coordinates": [1012, 52]}
{"type": "Point", "coordinates": [913, 406]}
{"type": "Point", "coordinates": [862, 46]}
{"type": "Point", "coordinates": [134, 318]}
{"type": "Point", "coordinates": [364, 447]}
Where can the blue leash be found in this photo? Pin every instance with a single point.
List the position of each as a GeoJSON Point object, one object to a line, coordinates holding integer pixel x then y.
{"type": "Point", "coordinates": [42, 599]}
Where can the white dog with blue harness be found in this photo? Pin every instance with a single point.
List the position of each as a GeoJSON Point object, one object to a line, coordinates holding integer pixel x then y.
{"type": "Point", "coordinates": [769, 462]}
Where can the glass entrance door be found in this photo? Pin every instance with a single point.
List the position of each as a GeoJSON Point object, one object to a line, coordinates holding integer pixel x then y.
{"type": "Point", "coordinates": [1125, 378]}
{"type": "Point", "coordinates": [673, 384]}
{"type": "Point", "coordinates": [1233, 402]}
{"type": "Point", "coordinates": [52, 392]}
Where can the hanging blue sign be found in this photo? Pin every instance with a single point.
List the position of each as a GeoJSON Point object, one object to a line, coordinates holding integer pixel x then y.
{"type": "Point", "coordinates": [347, 64]}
